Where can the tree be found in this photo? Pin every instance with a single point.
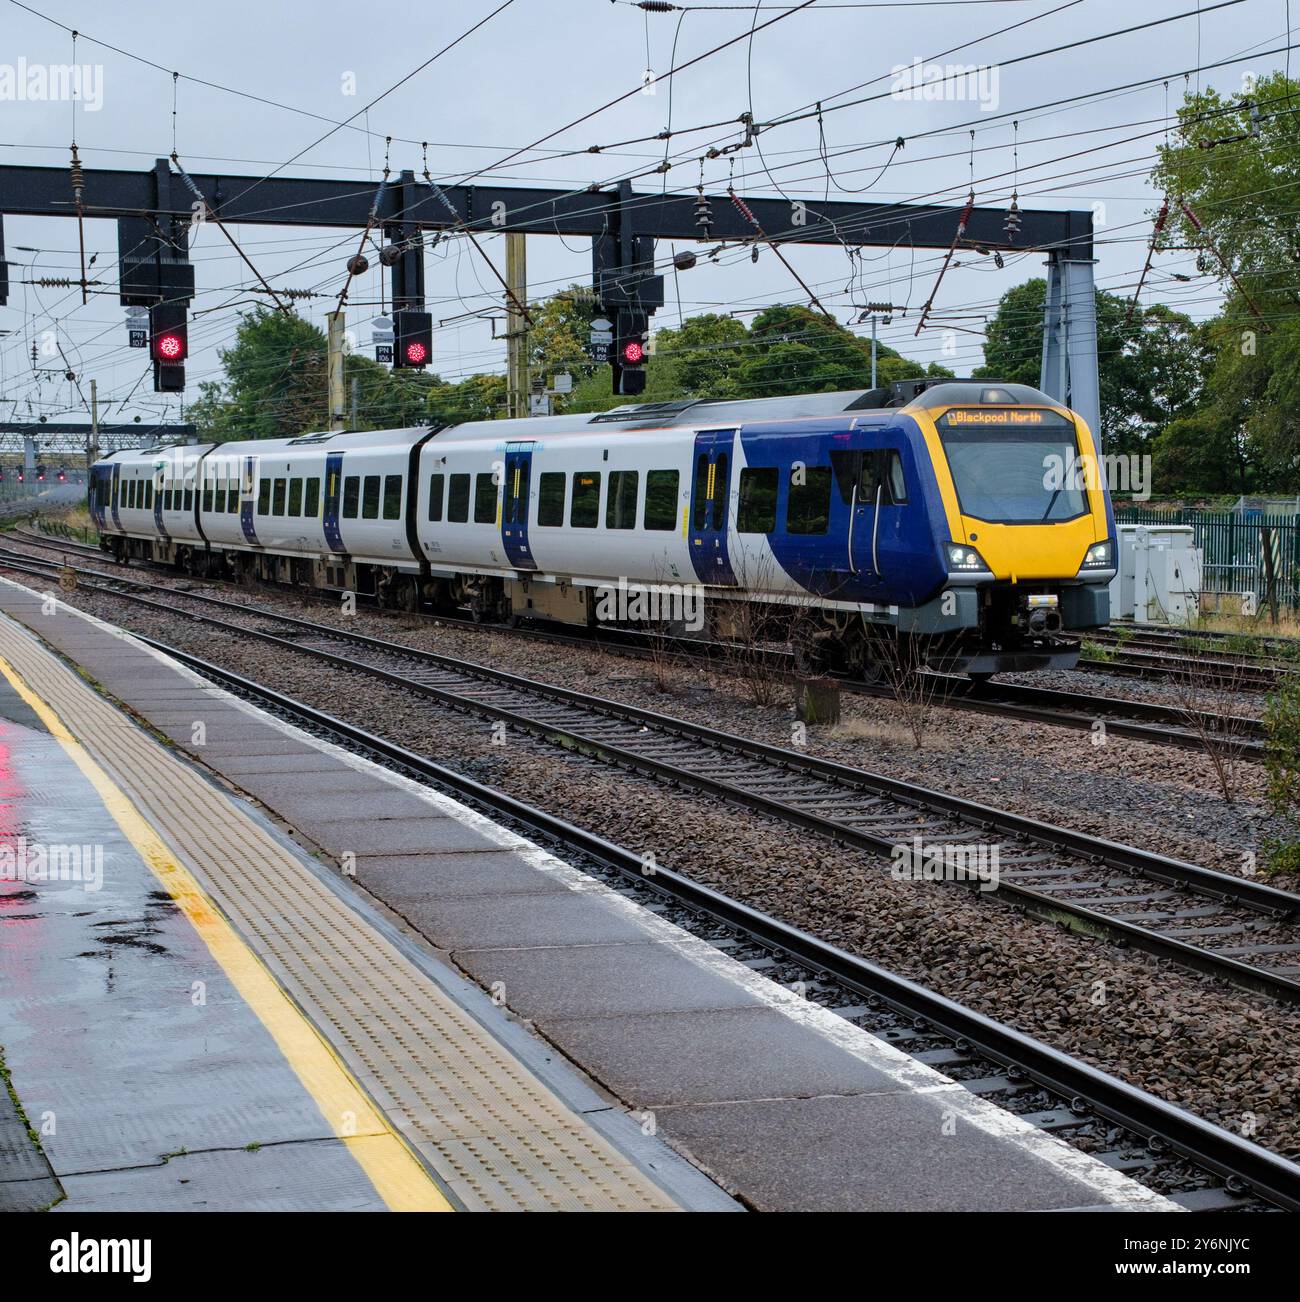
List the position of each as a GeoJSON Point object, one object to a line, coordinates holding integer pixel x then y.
{"type": "Point", "coordinates": [275, 384]}
{"type": "Point", "coordinates": [1235, 164]}
{"type": "Point", "coordinates": [1151, 371]}
{"type": "Point", "coordinates": [478, 397]}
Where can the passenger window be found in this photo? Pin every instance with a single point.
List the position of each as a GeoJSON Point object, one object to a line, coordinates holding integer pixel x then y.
{"type": "Point", "coordinates": [148, 496]}
{"type": "Point", "coordinates": [370, 498]}
{"type": "Point", "coordinates": [392, 497]}
{"type": "Point", "coordinates": [351, 496]}
{"type": "Point", "coordinates": [277, 497]}
{"type": "Point", "coordinates": [207, 496]}
{"type": "Point", "coordinates": [436, 482]}
{"type": "Point", "coordinates": [458, 499]}
{"type": "Point", "coordinates": [620, 510]}
{"type": "Point", "coordinates": [220, 501]}
{"type": "Point", "coordinates": [232, 503]}
{"type": "Point", "coordinates": [757, 510]}
{"type": "Point", "coordinates": [809, 508]}
{"type": "Point", "coordinates": [189, 496]}
{"type": "Point", "coordinates": [661, 499]}
{"type": "Point", "coordinates": [585, 511]}
{"type": "Point", "coordinates": [311, 499]}
{"type": "Point", "coordinates": [550, 499]}
{"type": "Point", "coordinates": [295, 497]}
{"type": "Point", "coordinates": [485, 500]}
{"type": "Point", "coordinates": [264, 497]}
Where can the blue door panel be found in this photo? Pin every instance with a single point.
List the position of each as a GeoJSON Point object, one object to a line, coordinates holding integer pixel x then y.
{"type": "Point", "coordinates": [712, 473]}
{"type": "Point", "coordinates": [248, 500]}
{"type": "Point", "coordinates": [333, 495]}
{"type": "Point", "coordinates": [514, 510]}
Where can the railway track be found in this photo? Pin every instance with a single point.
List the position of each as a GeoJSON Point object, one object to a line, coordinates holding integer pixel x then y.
{"type": "Point", "coordinates": [1166, 725]}
{"type": "Point", "coordinates": [1188, 728]}
{"type": "Point", "coordinates": [1197, 1164]}
{"type": "Point", "coordinates": [1198, 670]}
{"type": "Point", "coordinates": [1228, 927]}
{"type": "Point", "coordinates": [1275, 646]}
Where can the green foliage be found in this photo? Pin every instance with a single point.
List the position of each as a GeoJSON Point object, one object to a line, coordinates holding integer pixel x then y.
{"type": "Point", "coordinates": [785, 349]}
{"type": "Point", "coordinates": [1151, 370]}
{"type": "Point", "coordinates": [1282, 747]}
{"type": "Point", "coordinates": [275, 384]}
{"type": "Point", "coordinates": [1282, 763]}
{"type": "Point", "coordinates": [1236, 163]}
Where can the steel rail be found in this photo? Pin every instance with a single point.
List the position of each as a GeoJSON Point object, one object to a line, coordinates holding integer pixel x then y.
{"type": "Point", "coordinates": [587, 739]}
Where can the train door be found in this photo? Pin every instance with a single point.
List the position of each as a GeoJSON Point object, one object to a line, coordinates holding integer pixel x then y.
{"type": "Point", "coordinates": [876, 491]}
{"type": "Point", "coordinates": [113, 494]}
{"type": "Point", "coordinates": [248, 500]}
{"type": "Point", "coordinates": [514, 514]}
{"type": "Point", "coordinates": [159, 479]}
{"type": "Point", "coordinates": [710, 506]}
{"type": "Point", "coordinates": [333, 496]}
{"type": "Point", "coordinates": [101, 488]}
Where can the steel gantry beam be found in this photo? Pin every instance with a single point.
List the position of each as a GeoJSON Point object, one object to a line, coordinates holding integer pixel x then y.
{"type": "Point", "coordinates": [289, 201]}
{"type": "Point", "coordinates": [622, 222]}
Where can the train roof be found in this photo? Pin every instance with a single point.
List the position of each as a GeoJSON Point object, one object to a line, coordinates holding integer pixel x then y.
{"type": "Point", "coordinates": [929, 392]}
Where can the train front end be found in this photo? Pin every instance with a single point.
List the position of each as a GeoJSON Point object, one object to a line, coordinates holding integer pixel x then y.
{"type": "Point", "coordinates": [1030, 545]}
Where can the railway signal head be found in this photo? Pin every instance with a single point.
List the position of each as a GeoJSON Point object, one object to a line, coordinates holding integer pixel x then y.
{"type": "Point", "coordinates": [413, 339]}
{"type": "Point", "coordinates": [169, 345]}
{"type": "Point", "coordinates": [628, 359]}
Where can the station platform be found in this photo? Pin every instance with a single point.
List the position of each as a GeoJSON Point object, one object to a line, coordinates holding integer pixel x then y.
{"type": "Point", "coordinates": [299, 980]}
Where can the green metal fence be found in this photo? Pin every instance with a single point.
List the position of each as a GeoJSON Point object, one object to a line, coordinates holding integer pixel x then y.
{"type": "Point", "coordinates": [1232, 547]}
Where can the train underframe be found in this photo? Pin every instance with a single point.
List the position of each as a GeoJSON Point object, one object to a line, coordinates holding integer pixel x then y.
{"type": "Point", "coordinates": [980, 631]}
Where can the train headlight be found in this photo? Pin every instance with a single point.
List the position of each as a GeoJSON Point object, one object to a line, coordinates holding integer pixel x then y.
{"type": "Point", "coordinates": [1100, 556]}
{"type": "Point", "coordinates": [963, 559]}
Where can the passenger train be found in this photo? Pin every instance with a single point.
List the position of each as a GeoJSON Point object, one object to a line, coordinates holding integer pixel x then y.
{"type": "Point", "coordinates": [925, 512]}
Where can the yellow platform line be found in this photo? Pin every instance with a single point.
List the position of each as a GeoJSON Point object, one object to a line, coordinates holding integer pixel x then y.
{"type": "Point", "coordinates": [392, 1168]}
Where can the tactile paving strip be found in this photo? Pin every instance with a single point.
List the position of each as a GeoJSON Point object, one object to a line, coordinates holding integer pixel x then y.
{"type": "Point", "coordinates": [498, 1137]}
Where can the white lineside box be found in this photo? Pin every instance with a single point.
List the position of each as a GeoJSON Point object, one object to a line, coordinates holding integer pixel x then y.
{"type": "Point", "coordinates": [1159, 575]}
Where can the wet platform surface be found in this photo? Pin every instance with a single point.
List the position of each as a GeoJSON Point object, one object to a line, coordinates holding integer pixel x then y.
{"type": "Point", "coordinates": [153, 1023]}
{"type": "Point", "coordinates": [782, 1103]}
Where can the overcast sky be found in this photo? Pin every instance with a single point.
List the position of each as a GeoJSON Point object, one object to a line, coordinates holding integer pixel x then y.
{"type": "Point", "coordinates": [539, 64]}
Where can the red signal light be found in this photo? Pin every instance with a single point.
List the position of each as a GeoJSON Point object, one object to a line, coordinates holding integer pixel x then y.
{"type": "Point", "coordinates": [171, 347]}
{"type": "Point", "coordinates": [416, 352]}
{"type": "Point", "coordinates": [634, 352]}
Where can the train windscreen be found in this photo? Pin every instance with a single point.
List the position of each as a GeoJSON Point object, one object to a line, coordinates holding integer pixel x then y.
{"type": "Point", "coordinates": [1014, 466]}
